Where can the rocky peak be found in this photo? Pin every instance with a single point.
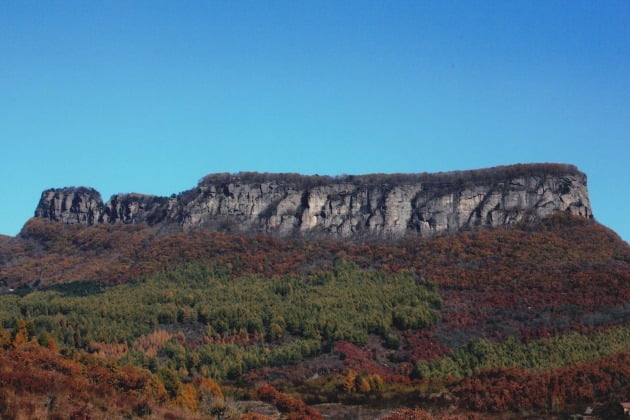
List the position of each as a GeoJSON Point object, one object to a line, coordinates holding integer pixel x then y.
{"type": "Point", "coordinates": [375, 205]}
{"type": "Point", "coordinates": [70, 205]}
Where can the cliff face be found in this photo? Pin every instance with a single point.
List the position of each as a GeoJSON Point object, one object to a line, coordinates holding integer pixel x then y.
{"type": "Point", "coordinates": [386, 206]}
{"type": "Point", "coordinates": [70, 205]}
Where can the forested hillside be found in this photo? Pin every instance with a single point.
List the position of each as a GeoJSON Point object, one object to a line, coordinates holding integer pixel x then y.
{"type": "Point", "coordinates": [136, 321]}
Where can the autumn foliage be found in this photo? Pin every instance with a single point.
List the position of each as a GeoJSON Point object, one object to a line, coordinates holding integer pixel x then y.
{"type": "Point", "coordinates": [446, 314]}
{"type": "Point", "coordinates": [418, 414]}
{"type": "Point", "coordinates": [36, 382]}
{"type": "Point", "coordinates": [293, 408]}
{"type": "Point", "coordinates": [513, 389]}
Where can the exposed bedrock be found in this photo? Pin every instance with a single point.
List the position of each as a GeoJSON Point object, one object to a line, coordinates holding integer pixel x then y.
{"type": "Point", "coordinates": [387, 206]}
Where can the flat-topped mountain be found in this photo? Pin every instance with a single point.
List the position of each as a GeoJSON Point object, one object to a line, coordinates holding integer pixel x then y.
{"type": "Point", "coordinates": [535, 308]}
{"type": "Point", "coordinates": [376, 205]}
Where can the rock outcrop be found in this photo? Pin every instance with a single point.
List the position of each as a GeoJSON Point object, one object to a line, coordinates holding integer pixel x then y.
{"type": "Point", "coordinates": [71, 205]}
{"type": "Point", "coordinates": [385, 206]}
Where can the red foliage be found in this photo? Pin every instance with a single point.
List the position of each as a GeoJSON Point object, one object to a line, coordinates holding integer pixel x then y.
{"type": "Point", "coordinates": [423, 345]}
{"type": "Point", "coordinates": [357, 359]}
{"type": "Point", "coordinates": [79, 387]}
{"type": "Point", "coordinates": [292, 407]}
{"type": "Point", "coordinates": [518, 389]}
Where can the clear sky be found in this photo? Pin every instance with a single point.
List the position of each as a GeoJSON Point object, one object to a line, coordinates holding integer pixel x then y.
{"type": "Point", "coordinates": [149, 96]}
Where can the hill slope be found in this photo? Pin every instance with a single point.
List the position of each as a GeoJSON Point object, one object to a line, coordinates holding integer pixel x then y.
{"type": "Point", "coordinates": [529, 317]}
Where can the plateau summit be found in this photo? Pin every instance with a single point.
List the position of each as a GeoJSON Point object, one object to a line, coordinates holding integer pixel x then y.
{"type": "Point", "coordinates": [348, 206]}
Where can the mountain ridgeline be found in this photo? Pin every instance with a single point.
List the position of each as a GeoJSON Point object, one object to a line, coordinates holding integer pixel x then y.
{"type": "Point", "coordinates": [365, 206]}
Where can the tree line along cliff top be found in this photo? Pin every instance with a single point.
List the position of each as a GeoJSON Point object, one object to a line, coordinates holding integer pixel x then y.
{"type": "Point", "coordinates": [300, 181]}
{"type": "Point", "coordinates": [451, 177]}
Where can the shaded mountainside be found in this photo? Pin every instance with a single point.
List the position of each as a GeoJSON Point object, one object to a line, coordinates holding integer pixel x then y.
{"type": "Point", "coordinates": [377, 205]}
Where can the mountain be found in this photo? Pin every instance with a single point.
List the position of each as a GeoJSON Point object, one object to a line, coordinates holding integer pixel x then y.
{"type": "Point", "coordinates": [373, 206]}
{"type": "Point", "coordinates": [221, 302]}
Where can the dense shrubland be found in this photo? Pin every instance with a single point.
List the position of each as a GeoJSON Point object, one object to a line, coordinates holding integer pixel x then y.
{"type": "Point", "coordinates": [540, 311]}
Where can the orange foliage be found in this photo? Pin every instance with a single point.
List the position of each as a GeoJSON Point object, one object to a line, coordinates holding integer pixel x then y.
{"type": "Point", "coordinates": [188, 397]}
{"type": "Point", "coordinates": [20, 333]}
{"type": "Point", "coordinates": [108, 350]}
{"type": "Point", "coordinates": [209, 387]}
{"type": "Point", "coordinates": [49, 341]}
{"type": "Point", "coordinates": [152, 343]}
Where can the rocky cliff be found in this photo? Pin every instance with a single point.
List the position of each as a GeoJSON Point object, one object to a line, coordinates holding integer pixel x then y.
{"type": "Point", "coordinates": [378, 205]}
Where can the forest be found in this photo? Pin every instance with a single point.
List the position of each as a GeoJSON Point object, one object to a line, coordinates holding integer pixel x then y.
{"type": "Point", "coordinates": [530, 320]}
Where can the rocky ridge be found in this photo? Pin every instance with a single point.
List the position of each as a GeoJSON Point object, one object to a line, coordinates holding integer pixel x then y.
{"type": "Point", "coordinates": [378, 205]}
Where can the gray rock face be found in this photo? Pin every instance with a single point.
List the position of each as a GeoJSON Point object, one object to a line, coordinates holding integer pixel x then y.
{"type": "Point", "coordinates": [385, 206]}
{"type": "Point", "coordinates": [132, 208]}
{"type": "Point", "coordinates": [70, 205]}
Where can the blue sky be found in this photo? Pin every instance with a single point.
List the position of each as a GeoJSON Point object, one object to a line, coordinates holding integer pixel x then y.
{"type": "Point", "coordinates": [149, 96]}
